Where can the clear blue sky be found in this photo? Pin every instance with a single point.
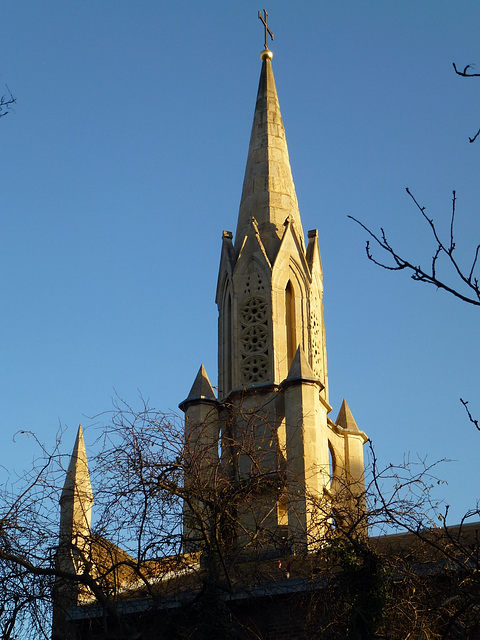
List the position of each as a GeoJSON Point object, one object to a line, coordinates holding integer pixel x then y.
{"type": "Point", "coordinates": [123, 163]}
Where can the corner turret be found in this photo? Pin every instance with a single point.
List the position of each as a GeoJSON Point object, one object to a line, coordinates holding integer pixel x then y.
{"type": "Point", "coordinates": [202, 446]}
{"type": "Point", "coordinates": [74, 547]}
{"type": "Point", "coordinates": [76, 500]}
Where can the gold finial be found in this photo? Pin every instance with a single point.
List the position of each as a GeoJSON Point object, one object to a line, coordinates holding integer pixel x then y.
{"type": "Point", "coordinates": [266, 53]}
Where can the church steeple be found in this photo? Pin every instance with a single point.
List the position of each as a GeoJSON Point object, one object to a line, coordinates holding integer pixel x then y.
{"type": "Point", "coordinates": [268, 193]}
{"type": "Point", "coordinates": [270, 287]}
{"type": "Point", "coordinates": [271, 413]}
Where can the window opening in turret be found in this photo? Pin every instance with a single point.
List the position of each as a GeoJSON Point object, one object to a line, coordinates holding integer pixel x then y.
{"type": "Point", "coordinates": [290, 322]}
{"type": "Point", "coordinates": [331, 463]}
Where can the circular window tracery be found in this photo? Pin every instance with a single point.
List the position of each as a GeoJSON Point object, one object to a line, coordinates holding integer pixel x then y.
{"type": "Point", "coordinates": [254, 339]}
{"type": "Point", "coordinates": [254, 311]}
{"type": "Point", "coordinates": [255, 369]}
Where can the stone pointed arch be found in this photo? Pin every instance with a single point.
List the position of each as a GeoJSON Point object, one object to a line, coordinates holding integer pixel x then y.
{"type": "Point", "coordinates": [290, 299]}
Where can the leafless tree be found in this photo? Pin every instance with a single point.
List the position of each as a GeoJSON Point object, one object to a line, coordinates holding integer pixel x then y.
{"type": "Point", "coordinates": [437, 593]}
{"type": "Point", "coordinates": [171, 528]}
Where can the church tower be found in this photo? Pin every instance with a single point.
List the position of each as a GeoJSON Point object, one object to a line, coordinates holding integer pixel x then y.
{"type": "Point", "coordinates": [270, 421]}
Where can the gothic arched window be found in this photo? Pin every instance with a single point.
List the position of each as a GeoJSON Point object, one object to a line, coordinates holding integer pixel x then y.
{"type": "Point", "coordinates": [331, 463]}
{"type": "Point", "coordinates": [290, 323]}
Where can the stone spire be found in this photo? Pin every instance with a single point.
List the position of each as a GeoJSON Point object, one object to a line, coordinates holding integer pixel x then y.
{"type": "Point", "coordinates": [268, 193]}
{"type": "Point", "coordinates": [77, 498]}
{"type": "Point", "coordinates": [270, 287]}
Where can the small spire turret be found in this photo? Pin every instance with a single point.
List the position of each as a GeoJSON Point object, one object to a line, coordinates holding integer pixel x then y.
{"type": "Point", "coordinates": [77, 498]}
{"type": "Point", "coordinates": [75, 517]}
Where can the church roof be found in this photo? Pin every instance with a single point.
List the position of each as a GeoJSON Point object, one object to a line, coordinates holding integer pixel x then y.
{"type": "Point", "coordinates": [268, 190]}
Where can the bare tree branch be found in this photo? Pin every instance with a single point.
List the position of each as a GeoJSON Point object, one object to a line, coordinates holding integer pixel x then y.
{"type": "Point", "coordinates": [474, 137]}
{"type": "Point", "coordinates": [6, 103]}
{"type": "Point", "coordinates": [467, 73]}
{"type": "Point", "coordinates": [465, 278]}
{"type": "Point", "coordinates": [470, 417]}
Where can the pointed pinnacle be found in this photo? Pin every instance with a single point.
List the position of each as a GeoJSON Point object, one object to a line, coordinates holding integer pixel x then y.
{"type": "Point", "coordinates": [201, 388]}
{"type": "Point", "coordinates": [345, 418]}
{"type": "Point", "coordinates": [300, 370]}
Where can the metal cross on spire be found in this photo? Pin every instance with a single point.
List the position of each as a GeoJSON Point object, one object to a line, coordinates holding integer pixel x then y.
{"type": "Point", "coordinates": [264, 20]}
